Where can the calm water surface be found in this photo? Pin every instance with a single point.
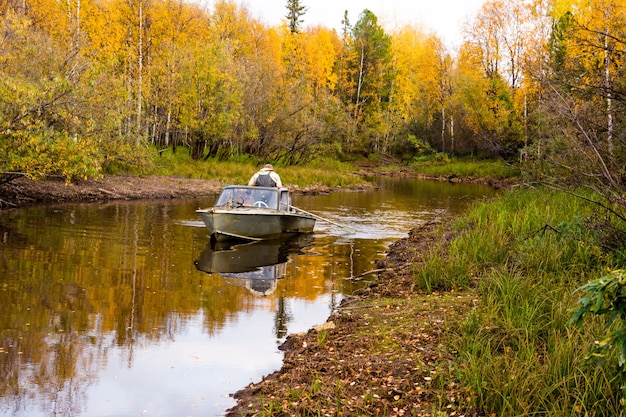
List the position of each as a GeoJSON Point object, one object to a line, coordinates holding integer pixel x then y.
{"type": "Point", "coordinates": [125, 308]}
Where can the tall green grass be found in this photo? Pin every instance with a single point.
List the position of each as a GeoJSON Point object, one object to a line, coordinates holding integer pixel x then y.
{"type": "Point", "coordinates": [464, 168]}
{"type": "Point", "coordinates": [525, 254]}
{"type": "Point", "coordinates": [322, 173]}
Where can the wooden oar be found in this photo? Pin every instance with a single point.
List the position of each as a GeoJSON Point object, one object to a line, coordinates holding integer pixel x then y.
{"type": "Point", "coordinates": [343, 226]}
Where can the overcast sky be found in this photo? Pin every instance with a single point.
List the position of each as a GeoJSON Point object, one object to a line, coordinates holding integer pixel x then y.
{"type": "Point", "coordinates": [443, 17]}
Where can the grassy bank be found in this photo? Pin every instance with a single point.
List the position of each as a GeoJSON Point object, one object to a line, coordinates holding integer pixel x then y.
{"type": "Point", "coordinates": [469, 318]}
{"type": "Point", "coordinates": [324, 172]}
{"type": "Point", "coordinates": [466, 168]}
{"type": "Point", "coordinates": [524, 256]}
{"type": "Point", "coordinates": [460, 168]}
{"type": "Point", "coordinates": [327, 173]}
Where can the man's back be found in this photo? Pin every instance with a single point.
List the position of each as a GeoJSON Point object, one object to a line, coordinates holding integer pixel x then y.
{"type": "Point", "coordinates": [265, 180]}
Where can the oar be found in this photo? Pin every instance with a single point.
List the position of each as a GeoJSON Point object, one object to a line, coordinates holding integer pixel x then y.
{"type": "Point", "coordinates": [343, 226]}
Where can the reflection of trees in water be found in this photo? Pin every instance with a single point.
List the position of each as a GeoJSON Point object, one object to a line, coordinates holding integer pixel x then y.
{"type": "Point", "coordinates": [110, 278]}
{"type": "Point", "coordinates": [79, 290]}
{"type": "Point", "coordinates": [69, 372]}
{"type": "Point", "coordinates": [41, 324]}
{"type": "Point", "coordinates": [281, 319]}
{"type": "Point", "coordinates": [55, 365]}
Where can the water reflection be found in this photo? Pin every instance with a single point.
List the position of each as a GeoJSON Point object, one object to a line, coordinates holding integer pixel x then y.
{"type": "Point", "coordinates": [255, 265]}
{"type": "Point", "coordinates": [111, 309]}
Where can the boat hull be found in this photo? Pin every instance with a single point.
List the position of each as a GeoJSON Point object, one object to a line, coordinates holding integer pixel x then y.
{"type": "Point", "coordinates": [249, 223]}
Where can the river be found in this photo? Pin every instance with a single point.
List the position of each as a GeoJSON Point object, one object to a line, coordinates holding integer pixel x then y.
{"type": "Point", "coordinates": [125, 308]}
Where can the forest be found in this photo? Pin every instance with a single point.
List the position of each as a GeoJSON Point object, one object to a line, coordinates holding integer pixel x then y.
{"type": "Point", "coordinates": [91, 85]}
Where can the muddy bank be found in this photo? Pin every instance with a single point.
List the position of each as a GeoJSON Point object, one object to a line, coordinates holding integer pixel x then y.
{"type": "Point", "coordinates": [381, 352]}
{"type": "Point", "coordinates": [496, 183]}
{"type": "Point", "coordinates": [22, 191]}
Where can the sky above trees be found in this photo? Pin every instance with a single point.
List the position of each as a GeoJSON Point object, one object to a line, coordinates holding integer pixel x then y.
{"type": "Point", "coordinates": [443, 17]}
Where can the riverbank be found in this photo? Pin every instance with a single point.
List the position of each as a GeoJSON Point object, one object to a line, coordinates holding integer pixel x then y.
{"type": "Point", "coordinates": [382, 352]}
{"type": "Point", "coordinates": [464, 317]}
{"type": "Point", "coordinates": [23, 191]}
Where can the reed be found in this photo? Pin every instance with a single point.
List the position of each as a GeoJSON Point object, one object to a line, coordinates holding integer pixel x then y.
{"type": "Point", "coordinates": [524, 255]}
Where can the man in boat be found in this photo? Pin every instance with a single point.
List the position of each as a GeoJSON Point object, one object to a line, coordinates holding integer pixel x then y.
{"type": "Point", "coordinates": [266, 177]}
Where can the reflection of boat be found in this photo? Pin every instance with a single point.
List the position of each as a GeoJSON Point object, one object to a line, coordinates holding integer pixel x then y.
{"type": "Point", "coordinates": [223, 257]}
{"type": "Point", "coordinates": [260, 282]}
{"type": "Point", "coordinates": [254, 213]}
{"type": "Point", "coordinates": [257, 265]}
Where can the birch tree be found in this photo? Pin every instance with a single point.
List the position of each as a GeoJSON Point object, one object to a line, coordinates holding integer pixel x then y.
{"type": "Point", "coordinates": [588, 47]}
{"type": "Point", "coordinates": [371, 78]}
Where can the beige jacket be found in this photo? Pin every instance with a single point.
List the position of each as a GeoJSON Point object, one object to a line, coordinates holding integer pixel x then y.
{"type": "Point", "coordinates": [264, 171]}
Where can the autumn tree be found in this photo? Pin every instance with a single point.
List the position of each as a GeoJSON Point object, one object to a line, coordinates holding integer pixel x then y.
{"type": "Point", "coordinates": [342, 90]}
{"type": "Point", "coordinates": [370, 79]}
{"type": "Point", "coordinates": [585, 97]}
{"type": "Point", "coordinates": [255, 54]}
{"type": "Point", "coordinates": [495, 44]}
{"type": "Point", "coordinates": [588, 149]}
{"type": "Point", "coordinates": [43, 130]}
{"type": "Point", "coordinates": [311, 115]}
{"type": "Point", "coordinates": [420, 93]}
{"type": "Point", "coordinates": [176, 24]}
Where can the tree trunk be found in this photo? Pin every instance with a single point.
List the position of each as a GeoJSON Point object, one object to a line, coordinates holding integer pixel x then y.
{"type": "Point", "coordinates": [607, 85]}
{"type": "Point", "coordinates": [451, 135]}
{"type": "Point", "coordinates": [140, 71]}
{"type": "Point", "coordinates": [443, 126]}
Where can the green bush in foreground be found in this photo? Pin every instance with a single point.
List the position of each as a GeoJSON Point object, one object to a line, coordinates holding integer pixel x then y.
{"type": "Point", "coordinates": [605, 297]}
{"type": "Point", "coordinates": [525, 255]}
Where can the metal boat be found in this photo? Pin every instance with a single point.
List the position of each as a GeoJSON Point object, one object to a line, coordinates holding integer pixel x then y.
{"type": "Point", "coordinates": [254, 213]}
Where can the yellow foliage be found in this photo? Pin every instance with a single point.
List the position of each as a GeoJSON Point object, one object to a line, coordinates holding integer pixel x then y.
{"type": "Point", "coordinates": [418, 59]}
{"type": "Point", "coordinates": [321, 49]}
